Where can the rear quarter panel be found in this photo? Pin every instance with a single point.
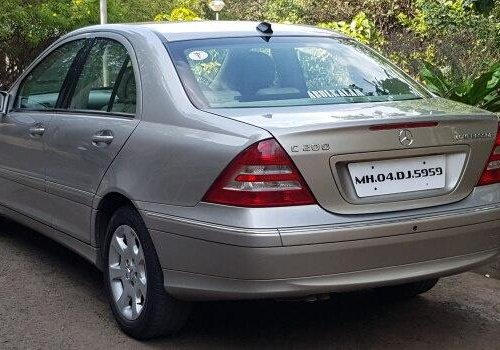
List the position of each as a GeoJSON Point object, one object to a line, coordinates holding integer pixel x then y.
{"type": "Point", "coordinates": [172, 164]}
{"type": "Point", "coordinates": [177, 151]}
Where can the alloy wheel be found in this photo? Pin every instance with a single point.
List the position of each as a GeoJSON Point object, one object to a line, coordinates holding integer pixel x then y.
{"type": "Point", "coordinates": [127, 272]}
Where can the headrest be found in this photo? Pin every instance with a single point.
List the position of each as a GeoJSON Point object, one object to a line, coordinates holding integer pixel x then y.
{"type": "Point", "coordinates": [249, 72]}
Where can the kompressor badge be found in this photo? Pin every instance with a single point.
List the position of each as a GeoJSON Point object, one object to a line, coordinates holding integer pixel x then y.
{"type": "Point", "coordinates": [473, 136]}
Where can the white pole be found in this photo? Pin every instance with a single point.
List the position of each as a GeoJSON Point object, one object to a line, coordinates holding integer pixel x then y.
{"type": "Point", "coordinates": [103, 9]}
{"type": "Point", "coordinates": [217, 16]}
{"type": "Point", "coordinates": [105, 69]}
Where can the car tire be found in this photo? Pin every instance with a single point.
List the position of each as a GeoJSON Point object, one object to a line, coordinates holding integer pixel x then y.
{"type": "Point", "coordinates": [143, 309]}
{"type": "Point", "coordinates": [407, 290]}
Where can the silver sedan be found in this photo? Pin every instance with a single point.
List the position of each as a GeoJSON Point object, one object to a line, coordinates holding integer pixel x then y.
{"type": "Point", "coordinates": [241, 160]}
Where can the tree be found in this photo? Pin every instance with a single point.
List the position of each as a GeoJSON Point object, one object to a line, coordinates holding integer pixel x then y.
{"type": "Point", "coordinates": [28, 26]}
{"type": "Point", "coordinates": [461, 37]}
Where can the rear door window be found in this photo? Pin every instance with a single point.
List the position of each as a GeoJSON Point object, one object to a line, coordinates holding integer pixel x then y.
{"type": "Point", "coordinates": [106, 82]}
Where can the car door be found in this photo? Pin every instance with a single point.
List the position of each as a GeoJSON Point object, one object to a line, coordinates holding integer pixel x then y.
{"type": "Point", "coordinates": [100, 111]}
{"type": "Point", "coordinates": [23, 132]}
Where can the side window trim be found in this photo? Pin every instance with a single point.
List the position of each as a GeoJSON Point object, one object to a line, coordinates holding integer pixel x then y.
{"type": "Point", "coordinates": [117, 84]}
{"type": "Point", "coordinates": [62, 91]}
{"type": "Point", "coordinates": [120, 115]}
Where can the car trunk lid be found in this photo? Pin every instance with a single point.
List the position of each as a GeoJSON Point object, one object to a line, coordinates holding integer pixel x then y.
{"type": "Point", "coordinates": [367, 158]}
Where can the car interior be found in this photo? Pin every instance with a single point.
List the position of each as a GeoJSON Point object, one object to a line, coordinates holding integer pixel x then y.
{"type": "Point", "coordinates": [254, 75]}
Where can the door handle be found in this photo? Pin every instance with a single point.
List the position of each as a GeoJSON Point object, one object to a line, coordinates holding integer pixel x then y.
{"type": "Point", "coordinates": [37, 130]}
{"type": "Point", "coordinates": [102, 137]}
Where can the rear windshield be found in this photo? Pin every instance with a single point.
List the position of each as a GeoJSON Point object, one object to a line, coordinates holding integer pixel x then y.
{"type": "Point", "coordinates": [286, 71]}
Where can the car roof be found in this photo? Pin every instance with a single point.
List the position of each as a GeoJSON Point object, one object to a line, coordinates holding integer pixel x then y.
{"type": "Point", "coordinates": [175, 31]}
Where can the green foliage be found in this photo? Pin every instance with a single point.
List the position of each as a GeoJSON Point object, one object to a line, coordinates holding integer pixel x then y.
{"type": "Point", "coordinates": [482, 91]}
{"type": "Point", "coordinates": [28, 26]}
{"type": "Point", "coordinates": [285, 11]}
{"type": "Point", "coordinates": [464, 41]}
{"type": "Point", "coordinates": [182, 10]}
{"type": "Point", "coordinates": [360, 28]}
{"type": "Point", "coordinates": [460, 38]}
{"type": "Point", "coordinates": [178, 14]}
{"type": "Point", "coordinates": [482, 6]}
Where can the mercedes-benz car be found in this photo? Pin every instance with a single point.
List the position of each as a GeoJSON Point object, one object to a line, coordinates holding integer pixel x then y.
{"type": "Point", "coordinates": [244, 160]}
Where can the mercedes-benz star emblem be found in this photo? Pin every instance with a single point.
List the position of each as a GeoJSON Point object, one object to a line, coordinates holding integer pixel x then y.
{"type": "Point", "coordinates": [405, 137]}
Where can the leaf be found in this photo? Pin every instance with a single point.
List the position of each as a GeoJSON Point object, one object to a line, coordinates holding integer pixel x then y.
{"type": "Point", "coordinates": [434, 80]}
{"type": "Point", "coordinates": [494, 82]}
{"type": "Point", "coordinates": [483, 85]}
{"type": "Point", "coordinates": [492, 105]}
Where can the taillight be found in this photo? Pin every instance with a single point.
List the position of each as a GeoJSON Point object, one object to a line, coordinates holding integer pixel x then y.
{"type": "Point", "coordinates": [491, 173]}
{"type": "Point", "coordinates": [263, 175]}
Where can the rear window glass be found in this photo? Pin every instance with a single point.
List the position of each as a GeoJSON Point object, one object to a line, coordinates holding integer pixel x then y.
{"type": "Point", "coordinates": [286, 71]}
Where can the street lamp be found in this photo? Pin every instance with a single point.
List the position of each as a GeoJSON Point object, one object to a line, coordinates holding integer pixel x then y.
{"type": "Point", "coordinates": [216, 6]}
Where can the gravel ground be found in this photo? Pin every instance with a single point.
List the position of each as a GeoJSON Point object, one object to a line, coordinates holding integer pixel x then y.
{"type": "Point", "coordinates": [52, 299]}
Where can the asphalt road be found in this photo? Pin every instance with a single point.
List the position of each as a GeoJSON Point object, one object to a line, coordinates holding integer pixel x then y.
{"type": "Point", "coordinates": [52, 299]}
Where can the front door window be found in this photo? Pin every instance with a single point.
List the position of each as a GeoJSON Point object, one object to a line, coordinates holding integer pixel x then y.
{"type": "Point", "coordinates": [40, 90]}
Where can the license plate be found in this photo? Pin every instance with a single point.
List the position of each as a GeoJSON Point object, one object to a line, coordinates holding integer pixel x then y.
{"type": "Point", "coordinates": [392, 176]}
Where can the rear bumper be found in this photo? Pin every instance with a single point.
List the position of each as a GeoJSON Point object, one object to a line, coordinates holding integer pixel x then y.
{"type": "Point", "coordinates": [191, 286]}
{"type": "Point", "coordinates": [210, 261]}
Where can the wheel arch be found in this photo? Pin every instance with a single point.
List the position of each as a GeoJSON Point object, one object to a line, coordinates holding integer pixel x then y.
{"type": "Point", "coordinates": [103, 211]}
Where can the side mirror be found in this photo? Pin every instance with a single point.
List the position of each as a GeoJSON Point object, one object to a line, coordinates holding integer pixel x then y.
{"type": "Point", "coordinates": [4, 102]}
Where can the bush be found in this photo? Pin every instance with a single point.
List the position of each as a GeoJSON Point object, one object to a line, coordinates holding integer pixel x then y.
{"type": "Point", "coordinates": [178, 14]}
{"type": "Point", "coordinates": [482, 91]}
{"type": "Point", "coordinates": [454, 36]}
{"type": "Point", "coordinates": [459, 38]}
{"type": "Point", "coordinates": [360, 28]}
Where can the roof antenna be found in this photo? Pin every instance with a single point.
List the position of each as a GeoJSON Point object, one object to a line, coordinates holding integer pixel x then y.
{"type": "Point", "coordinates": [265, 27]}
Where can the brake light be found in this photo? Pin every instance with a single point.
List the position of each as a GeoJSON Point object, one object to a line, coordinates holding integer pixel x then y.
{"type": "Point", "coordinates": [263, 175]}
{"type": "Point", "coordinates": [403, 126]}
{"type": "Point", "coordinates": [491, 173]}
